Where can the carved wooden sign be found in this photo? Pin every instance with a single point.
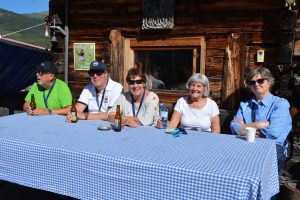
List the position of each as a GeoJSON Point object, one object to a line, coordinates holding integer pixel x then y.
{"type": "Point", "coordinates": [158, 14]}
{"type": "Point", "coordinates": [158, 23]}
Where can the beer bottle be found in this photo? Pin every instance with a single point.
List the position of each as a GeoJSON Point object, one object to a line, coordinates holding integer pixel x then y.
{"type": "Point", "coordinates": [74, 112]}
{"type": "Point", "coordinates": [32, 102]}
{"type": "Point", "coordinates": [118, 120]}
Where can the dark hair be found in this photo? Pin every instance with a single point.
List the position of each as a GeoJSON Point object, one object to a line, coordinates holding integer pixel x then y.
{"type": "Point", "coordinates": [264, 73]}
{"type": "Point", "coordinates": [135, 72]}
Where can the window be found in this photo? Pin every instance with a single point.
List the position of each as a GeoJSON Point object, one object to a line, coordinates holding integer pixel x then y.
{"type": "Point", "coordinates": [168, 63]}
{"type": "Point", "coordinates": [167, 69]}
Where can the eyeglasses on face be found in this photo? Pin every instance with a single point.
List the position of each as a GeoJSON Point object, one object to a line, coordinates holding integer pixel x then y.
{"type": "Point", "coordinates": [259, 81]}
{"type": "Point", "coordinates": [132, 82]}
{"type": "Point", "coordinates": [98, 73]}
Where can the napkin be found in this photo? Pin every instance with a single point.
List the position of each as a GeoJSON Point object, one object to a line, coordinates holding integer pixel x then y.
{"type": "Point", "coordinates": [176, 131]}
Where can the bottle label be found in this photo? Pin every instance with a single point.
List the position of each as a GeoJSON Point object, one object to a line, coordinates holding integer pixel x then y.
{"type": "Point", "coordinates": [117, 124]}
{"type": "Point", "coordinates": [74, 116]}
{"type": "Point", "coordinates": [33, 106]}
{"type": "Point", "coordinates": [74, 113]}
{"type": "Point", "coordinates": [163, 114]}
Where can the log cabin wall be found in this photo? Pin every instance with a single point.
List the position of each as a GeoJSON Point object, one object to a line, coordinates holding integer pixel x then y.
{"type": "Point", "coordinates": [233, 31]}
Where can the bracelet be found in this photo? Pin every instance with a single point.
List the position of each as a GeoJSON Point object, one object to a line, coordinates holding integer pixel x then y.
{"type": "Point", "coordinates": [50, 111]}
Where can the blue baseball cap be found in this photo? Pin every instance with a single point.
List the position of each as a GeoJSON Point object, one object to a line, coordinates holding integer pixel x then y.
{"type": "Point", "coordinates": [98, 66]}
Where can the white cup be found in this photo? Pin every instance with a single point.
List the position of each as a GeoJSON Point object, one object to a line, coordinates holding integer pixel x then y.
{"type": "Point", "coordinates": [250, 133]}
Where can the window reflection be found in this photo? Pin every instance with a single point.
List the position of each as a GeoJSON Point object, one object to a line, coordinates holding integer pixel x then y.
{"type": "Point", "coordinates": [166, 69]}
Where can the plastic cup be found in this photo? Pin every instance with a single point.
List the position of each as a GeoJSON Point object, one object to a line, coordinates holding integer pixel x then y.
{"type": "Point", "coordinates": [250, 134]}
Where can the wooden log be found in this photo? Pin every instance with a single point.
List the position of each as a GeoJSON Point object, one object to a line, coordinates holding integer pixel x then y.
{"type": "Point", "coordinates": [231, 80]}
{"type": "Point", "coordinates": [117, 57]}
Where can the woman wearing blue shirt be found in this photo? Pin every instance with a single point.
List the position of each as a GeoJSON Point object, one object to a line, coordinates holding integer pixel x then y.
{"type": "Point", "coordinates": [269, 114]}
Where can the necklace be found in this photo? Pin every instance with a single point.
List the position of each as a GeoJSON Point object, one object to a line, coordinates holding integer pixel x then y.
{"type": "Point", "coordinates": [103, 94]}
{"type": "Point", "coordinates": [133, 106]}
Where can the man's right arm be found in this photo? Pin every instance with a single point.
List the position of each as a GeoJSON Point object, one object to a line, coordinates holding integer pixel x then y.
{"type": "Point", "coordinates": [26, 105]}
{"type": "Point", "coordinates": [27, 108]}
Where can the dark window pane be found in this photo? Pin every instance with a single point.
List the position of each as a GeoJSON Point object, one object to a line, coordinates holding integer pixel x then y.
{"type": "Point", "coordinates": [166, 69]}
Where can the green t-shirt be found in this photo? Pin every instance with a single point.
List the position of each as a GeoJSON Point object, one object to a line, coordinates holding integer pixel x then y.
{"type": "Point", "coordinates": [59, 97]}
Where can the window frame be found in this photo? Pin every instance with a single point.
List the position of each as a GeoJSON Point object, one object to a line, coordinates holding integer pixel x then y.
{"type": "Point", "coordinates": [194, 43]}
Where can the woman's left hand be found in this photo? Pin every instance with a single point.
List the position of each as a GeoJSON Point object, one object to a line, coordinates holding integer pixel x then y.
{"type": "Point", "coordinates": [131, 123]}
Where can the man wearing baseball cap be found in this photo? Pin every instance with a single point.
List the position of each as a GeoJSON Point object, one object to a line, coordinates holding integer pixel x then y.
{"type": "Point", "coordinates": [99, 95]}
{"type": "Point", "coordinates": [52, 95]}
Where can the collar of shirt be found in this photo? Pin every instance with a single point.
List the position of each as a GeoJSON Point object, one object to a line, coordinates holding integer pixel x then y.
{"type": "Point", "coordinates": [109, 84]}
{"type": "Point", "coordinates": [108, 87]}
{"type": "Point", "coordinates": [267, 101]}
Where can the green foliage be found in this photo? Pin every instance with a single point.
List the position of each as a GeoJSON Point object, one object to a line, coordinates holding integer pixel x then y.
{"type": "Point", "coordinates": [11, 22]}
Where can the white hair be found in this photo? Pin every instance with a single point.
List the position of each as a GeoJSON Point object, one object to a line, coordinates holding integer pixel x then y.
{"type": "Point", "coordinates": [202, 79]}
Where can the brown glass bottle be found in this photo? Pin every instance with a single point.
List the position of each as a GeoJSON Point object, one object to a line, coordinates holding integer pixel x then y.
{"type": "Point", "coordinates": [118, 120]}
{"type": "Point", "coordinates": [32, 102]}
{"type": "Point", "coordinates": [73, 111]}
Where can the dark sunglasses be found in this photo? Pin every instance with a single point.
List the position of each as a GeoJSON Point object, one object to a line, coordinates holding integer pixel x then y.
{"type": "Point", "coordinates": [98, 73]}
{"type": "Point", "coordinates": [132, 82]}
{"type": "Point", "coordinates": [41, 73]}
{"type": "Point", "coordinates": [259, 81]}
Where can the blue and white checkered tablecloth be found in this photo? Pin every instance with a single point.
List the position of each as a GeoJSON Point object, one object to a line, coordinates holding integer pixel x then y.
{"type": "Point", "coordinates": [80, 161]}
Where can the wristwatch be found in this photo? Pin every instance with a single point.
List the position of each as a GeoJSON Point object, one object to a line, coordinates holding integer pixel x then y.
{"type": "Point", "coordinates": [50, 111]}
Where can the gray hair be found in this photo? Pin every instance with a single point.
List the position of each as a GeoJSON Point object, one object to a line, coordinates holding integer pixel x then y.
{"type": "Point", "coordinates": [264, 73]}
{"type": "Point", "coordinates": [202, 79]}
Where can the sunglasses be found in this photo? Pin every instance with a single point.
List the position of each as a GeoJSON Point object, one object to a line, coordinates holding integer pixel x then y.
{"type": "Point", "coordinates": [98, 73]}
{"type": "Point", "coordinates": [259, 81]}
{"type": "Point", "coordinates": [41, 73]}
{"type": "Point", "coordinates": [132, 82]}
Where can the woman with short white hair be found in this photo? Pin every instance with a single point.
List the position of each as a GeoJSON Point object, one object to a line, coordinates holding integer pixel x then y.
{"type": "Point", "coordinates": [196, 111]}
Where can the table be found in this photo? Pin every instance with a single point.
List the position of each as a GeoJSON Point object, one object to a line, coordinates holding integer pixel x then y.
{"type": "Point", "coordinates": [79, 161]}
